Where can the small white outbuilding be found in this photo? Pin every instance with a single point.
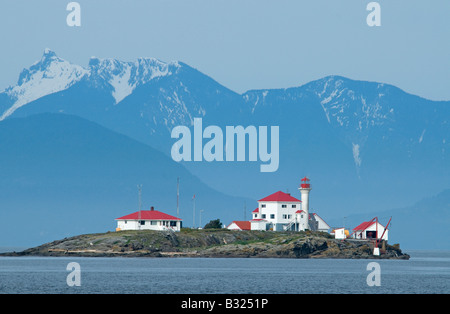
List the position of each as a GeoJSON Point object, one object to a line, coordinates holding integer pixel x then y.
{"type": "Point", "coordinates": [370, 230]}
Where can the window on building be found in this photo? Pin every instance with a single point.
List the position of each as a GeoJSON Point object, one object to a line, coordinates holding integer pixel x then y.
{"type": "Point", "coordinates": [294, 206]}
{"type": "Point", "coordinates": [153, 223]}
{"type": "Point", "coordinates": [263, 205]}
{"type": "Point", "coordinates": [125, 221]}
{"type": "Point", "coordinates": [173, 223]}
{"type": "Point", "coordinates": [272, 216]}
{"type": "Point", "coordinates": [263, 216]}
{"type": "Point", "coordinates": [283, 206]}
{"type": "Point", "coordinates": [142, 222]}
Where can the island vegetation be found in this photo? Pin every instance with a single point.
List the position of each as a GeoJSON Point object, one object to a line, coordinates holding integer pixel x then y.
{"type": "Point", "coordinates": [213, 242]}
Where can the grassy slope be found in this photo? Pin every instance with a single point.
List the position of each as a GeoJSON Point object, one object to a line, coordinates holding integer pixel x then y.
{"type": "Point", "coordinates": [210, 243]}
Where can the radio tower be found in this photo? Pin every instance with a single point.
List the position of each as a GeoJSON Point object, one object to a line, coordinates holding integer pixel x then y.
{"type": "Point", "coordinates": [140, 205]}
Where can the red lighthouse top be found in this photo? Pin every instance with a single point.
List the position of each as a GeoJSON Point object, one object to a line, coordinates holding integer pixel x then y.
{"type": "Point", "coordinates": [305, 183]}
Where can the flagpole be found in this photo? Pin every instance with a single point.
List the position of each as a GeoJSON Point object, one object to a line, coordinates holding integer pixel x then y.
{"type": "Point", "coordinates": [193, 218]}
{"type": "Point", "coordinates": [140, 205]}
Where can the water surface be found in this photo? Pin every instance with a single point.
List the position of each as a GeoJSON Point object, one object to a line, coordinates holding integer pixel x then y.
{"type": "Point", "coordinates": [425, 272]}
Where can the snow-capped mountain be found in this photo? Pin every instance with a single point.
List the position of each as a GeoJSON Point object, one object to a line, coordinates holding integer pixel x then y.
{"type": "Point", "coordinates": [124, 77]}
{"type": "Point", "coordinates": [52, 74]}
{"type": "Point", "coordinates": [360, 112]}
{"type": "Point", "coordinates": [370, 137]}
{"type": "Point", "coordinates": [146, 94]}
{"type": "Point", "coordinates": [47, 76]}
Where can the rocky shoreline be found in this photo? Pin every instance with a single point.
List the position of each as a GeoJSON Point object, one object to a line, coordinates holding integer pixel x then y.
{"type": "Point", "coordinates": [211, 243]}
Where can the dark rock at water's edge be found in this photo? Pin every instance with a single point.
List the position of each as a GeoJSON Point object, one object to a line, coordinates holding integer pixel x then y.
{"type": "Point", "coordinates": [213, 243]}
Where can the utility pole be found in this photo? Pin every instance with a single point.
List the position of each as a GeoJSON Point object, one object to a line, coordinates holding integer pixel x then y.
{"type": "Point", "coordinates": [201, 211]}
{"type": "Point", "coordinates": [178, 197]}
{"type": "Point", "coordinates": [193, 216]}
{"type": "Point", "coordinates": [140, 205]}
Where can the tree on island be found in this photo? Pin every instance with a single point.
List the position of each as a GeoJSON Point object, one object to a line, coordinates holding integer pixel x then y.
{"type": "Point", "coordinates": [214, 224]}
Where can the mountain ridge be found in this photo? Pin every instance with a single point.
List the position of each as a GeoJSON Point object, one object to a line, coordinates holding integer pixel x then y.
{"type": "Point", "coordinates": [365, 145]}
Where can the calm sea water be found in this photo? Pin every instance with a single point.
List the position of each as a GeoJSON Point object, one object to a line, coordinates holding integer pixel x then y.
{"type": "Point", "coordinates": [426, 272]}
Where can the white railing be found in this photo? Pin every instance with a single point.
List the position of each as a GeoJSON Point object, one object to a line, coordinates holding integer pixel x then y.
{"type": "Point", "coordinates": [289, 225]}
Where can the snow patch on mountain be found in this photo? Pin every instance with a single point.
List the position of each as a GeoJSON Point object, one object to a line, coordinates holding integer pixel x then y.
{"type": "Point", "coordinates": [52, 74]}
{"type": "Point", "coordinates": [47, 76]}
{"type": "Point", "coordinates": [121, 85]}
{"type": "Point", "coordinates": [421, 136]}
{"type": "Point", "coordinates": [124, 77]}
{"type": "Point", "coordinates": [356, 156]}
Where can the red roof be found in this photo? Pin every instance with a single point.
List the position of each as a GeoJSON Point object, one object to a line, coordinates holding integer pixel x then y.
{"type": "Point", "coordinates": [364, 225]}
{"type": "Point", "coordinates": [300, 211]}
{"type": "Point", "coordinates": [279, 197]}
{"type": "Point", "coordinates": [243, 225]}
{"type": "Point", "coordinates": [256, 210]}
{"type": "Point", "coordinates": [148, 215]}
{"type": "Point", "coordinates": [305, 179]}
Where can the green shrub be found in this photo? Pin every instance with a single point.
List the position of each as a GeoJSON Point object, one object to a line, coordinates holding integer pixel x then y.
{"type": "Point", "coordinates": [214, 224]}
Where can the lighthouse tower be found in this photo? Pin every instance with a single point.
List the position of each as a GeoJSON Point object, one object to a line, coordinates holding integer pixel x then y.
{"type": "Point", "coordinates": [305, 188]}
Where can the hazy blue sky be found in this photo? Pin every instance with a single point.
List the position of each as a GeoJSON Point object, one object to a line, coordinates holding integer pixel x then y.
{"type": "Point", "coordinates": [243, 44]}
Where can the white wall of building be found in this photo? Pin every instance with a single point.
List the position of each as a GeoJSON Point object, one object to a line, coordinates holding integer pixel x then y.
{"type": "Point", "coordinates": [149, 225]}
{"type": "Point", "coordinates": [258, 225]}
{"type": "Point", "coordinates": [362, 234]}
{"type": "Point", "coordinates": [323, 226]}
{"type": "Point", "coordinates": [281, 214]}
{"type": "Point", "coordinates": [339, 233]}
{"type": "Point", "coordinates": [302, 220]}
{"type": "Point", "coordinates": [278, 212]}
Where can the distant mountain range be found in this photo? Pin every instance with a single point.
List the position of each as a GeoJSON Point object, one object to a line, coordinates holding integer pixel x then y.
{"type": "Point", "coordinates": [366, 146]}
{"type": "Point", "coordinates": [63, 175]}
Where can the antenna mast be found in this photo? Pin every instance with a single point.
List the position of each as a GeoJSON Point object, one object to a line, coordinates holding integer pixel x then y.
{"type": "Point", "coordinates": [193, 215]}
{"type": "Point", "coordinates": [178, 197]}
{"type": "Point", "coordinates": [140, 205]}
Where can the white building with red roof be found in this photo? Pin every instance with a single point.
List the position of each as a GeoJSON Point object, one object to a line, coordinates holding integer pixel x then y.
{"type": "Point", "coordinates": [279, 211]}
{"type": "Point", "coordinates": [148, 220]}
{"type": "Point", "coordinates": [321, 224]}
{"type": "Point", "coordinates": [239, 225]}
{"type": "Point", "coordinates": [370, 230]}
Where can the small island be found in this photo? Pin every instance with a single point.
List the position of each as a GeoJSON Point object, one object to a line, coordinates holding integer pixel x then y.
{"type": "Point", "coordinates": [219, 243]}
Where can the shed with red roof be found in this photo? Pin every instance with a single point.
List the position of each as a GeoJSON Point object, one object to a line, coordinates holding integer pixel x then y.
{"type": "Point", "coordinates": [370, 230]}
{"type": "Point", "coordinates": [239, 225]}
